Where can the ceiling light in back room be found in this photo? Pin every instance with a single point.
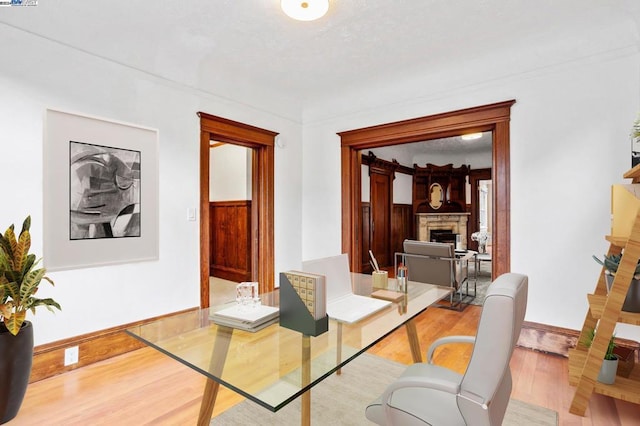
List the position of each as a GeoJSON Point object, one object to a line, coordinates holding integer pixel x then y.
{"type": "Point", "coordinates": [305, 10]}
{"type": "Point", "coordinates": [471, 136]}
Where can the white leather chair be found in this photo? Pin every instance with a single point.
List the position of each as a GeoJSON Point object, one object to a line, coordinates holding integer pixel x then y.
{"type": "Point", "coordinates": [427, 394]}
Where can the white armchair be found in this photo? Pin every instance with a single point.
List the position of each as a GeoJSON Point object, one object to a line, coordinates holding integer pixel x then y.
{"type": "Point", "coordinates": [436, 263]}
{"type": "Point", "coordinates": [427, 394]}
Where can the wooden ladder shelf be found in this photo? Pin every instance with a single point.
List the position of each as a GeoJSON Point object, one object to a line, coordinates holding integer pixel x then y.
{"type": "Point", "coordinates": [605, 311]}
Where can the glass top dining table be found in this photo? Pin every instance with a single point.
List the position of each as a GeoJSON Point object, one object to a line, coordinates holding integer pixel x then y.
{"type": "Point", "coordinates": [276, 365]}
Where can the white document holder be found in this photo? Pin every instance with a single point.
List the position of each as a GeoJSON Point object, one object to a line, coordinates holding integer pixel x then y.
{"type": "Point", "coordinates": [342, 304]}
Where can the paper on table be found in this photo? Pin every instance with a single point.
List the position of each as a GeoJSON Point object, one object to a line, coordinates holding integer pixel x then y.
{"type": "Point", "coordinates": [248, 314]}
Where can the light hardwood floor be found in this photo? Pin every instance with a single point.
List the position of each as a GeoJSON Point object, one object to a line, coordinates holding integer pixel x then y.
{"type": "Point", "coordinates": [145, 387]}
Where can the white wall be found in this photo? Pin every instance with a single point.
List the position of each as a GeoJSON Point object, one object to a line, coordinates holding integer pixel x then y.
{"type": "Point", "coordinates": [230, 173]}
{"type": "Point", "coordinates": [365, 184]}
{"type": "Point", "coordinates": [569, 143]}
{"type": "Point", "coordinates": [37, 74]}
{"type": "Point", "coordinates": [402, 187]}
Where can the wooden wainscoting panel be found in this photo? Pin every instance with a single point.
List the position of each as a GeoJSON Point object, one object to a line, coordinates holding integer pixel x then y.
{"type": "Point", "coordinates": [230, 253]}
{"type": "Point", "coordinates": [48, 359]}
{"type": "Point", "coordinates": [402, 225]}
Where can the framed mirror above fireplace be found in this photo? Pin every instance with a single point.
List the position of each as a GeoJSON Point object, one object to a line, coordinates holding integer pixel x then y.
{"type": "Point", "coordinates": [436, 196]}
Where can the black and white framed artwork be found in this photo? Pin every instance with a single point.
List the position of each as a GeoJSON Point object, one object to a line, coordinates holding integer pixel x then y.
{"type": "Point", "coordinates": [104, 192]}
{"type": "Point", "coordinates": [104, 209]}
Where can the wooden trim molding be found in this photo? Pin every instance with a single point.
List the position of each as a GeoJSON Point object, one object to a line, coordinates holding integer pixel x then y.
{"type": "Point", "coordinates": [372, 161]}
{"type": "Point", "coordinates": [262, 142]}
{"type": "Point", "coordinates": [476, 119]}
{"type": "Point", "coordinates": [493, 117]}
{"type": "Point", "coordinates": [234, 132]}
{"type": "Point", "coordinates": [48, 359]}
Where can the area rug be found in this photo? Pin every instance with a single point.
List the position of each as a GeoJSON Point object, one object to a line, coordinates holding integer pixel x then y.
{"type": "Point", "coordinates": [341, 400]}
{"type": "Point", "coordinates": [484, 279]}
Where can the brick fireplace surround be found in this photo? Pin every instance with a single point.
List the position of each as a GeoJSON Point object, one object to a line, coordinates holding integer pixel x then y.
{"type": "Point", "coordinates": [455, 222]}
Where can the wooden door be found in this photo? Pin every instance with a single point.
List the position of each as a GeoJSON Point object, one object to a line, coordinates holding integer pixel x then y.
{"type": "Point", "coordinates": [381, 197]}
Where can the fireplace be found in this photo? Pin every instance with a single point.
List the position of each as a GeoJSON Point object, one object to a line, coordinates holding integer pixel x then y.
{"type": "Point", "coordinates": [442, 236]}
{"type": "Point", "coordinates": [446, 223]}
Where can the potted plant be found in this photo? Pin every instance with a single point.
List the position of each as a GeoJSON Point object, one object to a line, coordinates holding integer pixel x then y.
{"type": "Point", "coordinates": [19, 281]}
{"type": "Point", "coordinates": [611, 263]}
{"type": "Point", "coordinates": [607, 374]}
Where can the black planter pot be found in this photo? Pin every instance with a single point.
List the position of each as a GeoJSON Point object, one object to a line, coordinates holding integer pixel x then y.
{"type": "Point", "coordinates": [16, 357]}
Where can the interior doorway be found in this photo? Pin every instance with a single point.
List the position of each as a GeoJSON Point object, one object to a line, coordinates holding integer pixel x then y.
{"type": "Point", "coordinates": [261, 142]}
{"type": "Point", "coordinates": [481, 218]}
{"type": "Point", "coordinates": [230, 212]}
{"type": "Point", "coordinates": [493, 117]}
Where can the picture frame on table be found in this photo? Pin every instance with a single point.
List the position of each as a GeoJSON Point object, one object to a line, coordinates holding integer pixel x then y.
{"type": "Point", "coordinates": [100, 192]}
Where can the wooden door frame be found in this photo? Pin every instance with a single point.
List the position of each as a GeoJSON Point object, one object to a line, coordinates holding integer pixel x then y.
{"type": "Point", "coordinates": [492, 117]}
{"type": "Point", "coordinates": [262, 144]}
{"type": "Point", "coordinates": [475, 176]}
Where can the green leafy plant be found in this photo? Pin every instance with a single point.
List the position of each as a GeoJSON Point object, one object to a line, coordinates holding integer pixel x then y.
{"type": "Point", "coordinates": [19, 278]}
{"type": "Point", "coordinates": [635, 130]}
{"type": "Point", "coordinates": [612, 262]}
{"type": "Point", "coordinates": [591, 334]}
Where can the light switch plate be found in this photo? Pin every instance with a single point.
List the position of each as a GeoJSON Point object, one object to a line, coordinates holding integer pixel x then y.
{"type": "Point", "coordinates": [191, 214]}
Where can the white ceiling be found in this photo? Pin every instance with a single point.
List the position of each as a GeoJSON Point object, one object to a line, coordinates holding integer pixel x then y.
{"type": "Point", "coordinates": [408, 154]}
{"type": "Point", "coordinates": [209, 44]}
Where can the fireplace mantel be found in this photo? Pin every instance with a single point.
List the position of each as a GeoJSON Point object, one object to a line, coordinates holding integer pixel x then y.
{"type": "Point", "coordinates": [456, 222]}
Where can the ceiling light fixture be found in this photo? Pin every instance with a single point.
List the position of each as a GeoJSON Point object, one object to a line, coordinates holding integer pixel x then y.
{"type": "Point", "coordinates": [305, 10]}
{"type": "Point", "coordinates": [471, 136]}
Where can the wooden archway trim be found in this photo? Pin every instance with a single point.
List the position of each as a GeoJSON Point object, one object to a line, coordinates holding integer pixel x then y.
{"type": "Point", "coordinates": [493, 117]}
{"type": "Point", "coordinates": [262, 143]}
